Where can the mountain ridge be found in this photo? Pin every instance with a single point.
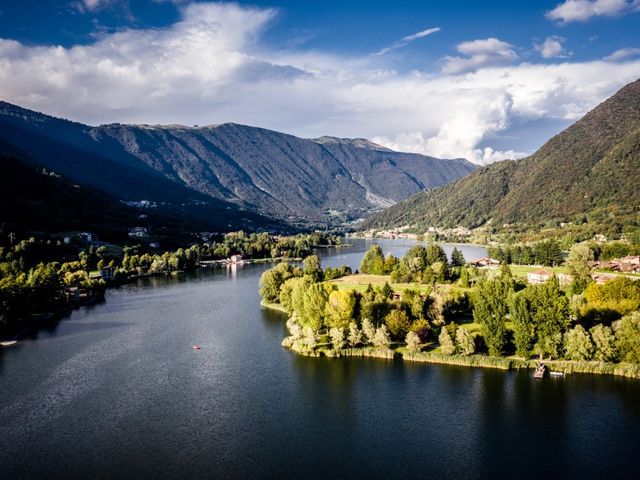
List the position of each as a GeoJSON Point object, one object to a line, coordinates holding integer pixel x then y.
{"type": "Point", "coordinates": [589, 168]}
{"type": "Point", "coordinates": [327, 180]}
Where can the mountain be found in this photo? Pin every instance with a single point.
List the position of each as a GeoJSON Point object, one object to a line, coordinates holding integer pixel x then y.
{"type": "Point", "coordinates": [591, 169]}
{"type": "Point", "coordinates": [327, 180]}
{"type": "Point", "coordinates": [35, 200]}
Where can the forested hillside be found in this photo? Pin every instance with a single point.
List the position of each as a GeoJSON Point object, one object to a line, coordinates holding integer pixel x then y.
{"type": "Point", "coordinates": [590, 171]}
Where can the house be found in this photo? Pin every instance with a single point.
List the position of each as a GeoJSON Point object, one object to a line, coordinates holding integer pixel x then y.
{"type": "Point", "coordinates": [108, 273]}
{"type": "Point", "coordinates": [154, 245]}
{"type": "Point", "coordinates": [630, 263]}
{"type": "Point", "coordinates": [88, 238]}
{"type": "Point", "coordinates": [538, 276]}
{"type": "Point", "coordinates": [602, 278]}
{"type": "Point", "coordinates": [564, 279]}
{"type": "Point", "coordinates": [138, 232]}
{"type": "Point", "coordinates": [486, 262]}
{"type": "Point", "coordinates": [236, 259]}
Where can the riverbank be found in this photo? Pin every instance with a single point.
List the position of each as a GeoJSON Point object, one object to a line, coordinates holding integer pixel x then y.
{"type": "Point", "coordinates": [627, 370]}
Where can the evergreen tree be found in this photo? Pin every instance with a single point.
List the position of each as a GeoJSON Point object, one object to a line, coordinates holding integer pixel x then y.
{"type": "Point", "coordinates": [413, 342]}
{"type": "Point", "coordinates": [446, 343]}
{"type": "Point", "coordinates": [457, 258]}
{"type": "Point", "coordinates": [465, 342]}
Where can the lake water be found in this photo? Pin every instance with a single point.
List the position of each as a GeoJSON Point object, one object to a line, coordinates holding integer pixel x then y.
{"type": "Point", "coordinates": [116, 391]}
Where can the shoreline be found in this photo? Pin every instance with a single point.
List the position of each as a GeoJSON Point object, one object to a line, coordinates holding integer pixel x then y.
{"type": "Point", "coordinates": [626, 370]}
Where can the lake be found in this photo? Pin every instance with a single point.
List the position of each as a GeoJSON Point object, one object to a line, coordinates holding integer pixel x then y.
{"type": "Point", "coordinates": [116, 391]}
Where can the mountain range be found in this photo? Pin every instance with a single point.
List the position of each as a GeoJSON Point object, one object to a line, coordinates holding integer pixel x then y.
{"type": "Point", "coordinates": [304, 182]}
{"type": "Point", "coordinates": [590, 171]}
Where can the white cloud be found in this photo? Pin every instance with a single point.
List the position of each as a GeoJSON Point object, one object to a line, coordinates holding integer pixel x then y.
{"type": "Point", "coordinates": [210, 67]}
{"type": "Point", "coordinates": [582, 10]}
{"type": "Point", "coordinates": [623, 54]}
{"type": "Point", "coordinates": [404, 41]}
{"type": "Point", "coordinates": [479, 54]}
{"type": "Point", "coordinates": [85, 6]}
{"type": "Point", "coordinates": [552, 47]}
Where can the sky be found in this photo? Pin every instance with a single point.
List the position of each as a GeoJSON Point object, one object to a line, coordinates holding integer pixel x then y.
{"type": "Point", "coordinates": [484, 80]}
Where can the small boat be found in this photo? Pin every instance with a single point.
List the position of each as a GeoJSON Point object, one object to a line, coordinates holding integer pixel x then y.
{"type": "Point", "coordinates": [556, 374]}
{"type": "Point", "coordinates": [196, 347]}
{"type": "Point", "coordinates": [8, 343]}
{"type": "Point", "coordinates": [541, 370]}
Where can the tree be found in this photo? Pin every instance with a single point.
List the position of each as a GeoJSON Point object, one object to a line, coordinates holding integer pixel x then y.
{"type": "Point", "coordinates": [434, 253]}
{"type": "Point", "coordinates": [464, 278]}
{"type": "Point", "coordinates": [506, 276]}
{"type": "Point", "coordinates": [338, 338]}
{"type": "Point", "coordinates": [355, 335]}
{"type": "Point", "coordinates": [578, 264]}
{"type": "Point", "coordinates": [309, 337]}
{"type": "Point", "coordinates": [287, 289]}
{"type": "Point", "coordinates": [523, 328]}
{"type": "Point", "coordinates": [422, 328]}
{"type": "Point", "coordinates": [381, 337]}
{"type": "Point", "coordinates": [613, 299]}
{"type": "Point", "coordinates": [457, 258]}
{"type": "Point", "coordinates": [549, 309]}
{"type": "Point", "coordinates": [397, 321]}
{"type": "Point", "coordinates": [603, 342]}
{"type": "Point", "coordinates": [413, 342]}
{"type": "Point", "coordinates": [311, 266]}
{"type": "Point", "coordinates": [548, 252]}
{"type": "Point", "coordinates": [465, 341]}
{"type": "Point", "coordinates": [340, 308]}
{"type": "Point", "coordinates": [269, 287]}
{"type": "Point", "coordinates": [446, 343]}
{"type": "Point", "coordinates": [627, 332]}
{"type": "Point", "coordinates": [577, 344]}
{"type": "Point", "coordinates": [315, 301]}
{"type": "Point", "coordinates": [490, 308]}
{"type": "Point", "coordinates": [368, 330]}
{"type": "Point", "coordinates": [373, 261]}
{"type": "Point", "coordinates": [387, 291]}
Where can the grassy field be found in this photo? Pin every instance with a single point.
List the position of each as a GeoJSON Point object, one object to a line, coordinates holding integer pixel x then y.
{"type": "Point", "coordinates": [360, 282]}
{"type": "Point", "coordinates": [522, 270]}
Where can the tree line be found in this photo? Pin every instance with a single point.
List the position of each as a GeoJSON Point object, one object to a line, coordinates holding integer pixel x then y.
{"type": "Point", "coordinates": [551, 321]}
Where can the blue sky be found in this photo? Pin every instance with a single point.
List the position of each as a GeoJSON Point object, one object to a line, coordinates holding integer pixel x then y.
{"type": "Point", "coordinates": [481, 79]}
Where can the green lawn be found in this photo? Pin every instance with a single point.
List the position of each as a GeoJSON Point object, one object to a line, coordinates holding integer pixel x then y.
{"type": "Point", "coordinates": [360, 281]}
{"type": "Point", "coordinates": [522, 270]}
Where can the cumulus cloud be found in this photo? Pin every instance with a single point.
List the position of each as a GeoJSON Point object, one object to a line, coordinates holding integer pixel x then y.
{"type": "Point", "coordinates": [623, 54]}
{"type": "Point", "coordinates": [582, 10]}
{"type": "Point", "coordinates": [479, 54]}
{"type": "Point", "coordinates": [552, 47]}
{"type": "Point", "coordinates": [210, 67]}
{"type": "Point", "coordinates": [404, 41]}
